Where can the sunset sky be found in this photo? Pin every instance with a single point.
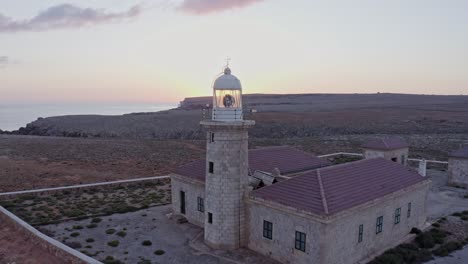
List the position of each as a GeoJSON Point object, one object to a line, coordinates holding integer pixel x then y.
{"type": "Point", "coordinates": [163, 51]}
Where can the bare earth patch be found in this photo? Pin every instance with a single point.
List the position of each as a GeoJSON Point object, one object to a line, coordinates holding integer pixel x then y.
{"type": "Point", "coordinates": [17, 248]}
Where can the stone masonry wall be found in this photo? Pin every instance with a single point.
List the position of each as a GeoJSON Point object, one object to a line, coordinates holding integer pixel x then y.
{"type": "Point", "coordinates": [341, 244]}
{"type": "Point", "coordinates": [281, 246]}
{"type": "Point", "coordinates": [458, 171]}
{"type": "Point", "coordinates": [388, 155]}
{"type": "Point", "coordinates": [192, 190]}
{"type": "Point", "coordinates": [334, 240]}
{"type": "Point", "coordinates": [225, 186]}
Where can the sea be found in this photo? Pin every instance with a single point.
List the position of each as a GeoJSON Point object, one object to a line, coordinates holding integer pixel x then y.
{"type": "Point", "coordinates": [14, 116]}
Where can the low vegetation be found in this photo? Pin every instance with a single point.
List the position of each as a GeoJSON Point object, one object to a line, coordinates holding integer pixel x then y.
{"type": "Point", "coordinates": [159, 252]}
{"type": "Point", "coordinates": [113, 243]}
{"type": "Point", "coordinates": [147, 243]}
{"type": "Point", "coordinates": [66, 205]}
{"type": "Point", "coordinates": [439, 241]}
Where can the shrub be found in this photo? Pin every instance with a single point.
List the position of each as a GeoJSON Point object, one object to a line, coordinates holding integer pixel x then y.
{"type": "Point", "coordinates": [464, 218]}
{"type": "Point", "coordinates": [111, 260]}
{"type": "Point", "coordinates": [113, 243]}
{"type": "Point", "coordinates": [457, 214]}
{"type": "Point", "coordinates": [146, 243]}
{"type": "Point", "coordinates": [73, 213]}
{"type": "Point", "coordinates": [96, 220]}
{"type": "Point", "coordinates": [90, 240]}
{"type": "Point", "coordinates": [415, 230]}
{"type": "Point", "coordinates": [74, 234]}
{"type": "Point", "coordinates": [121, 233]}
{"type": "Point", "coordinates": [73, 245]}
{"type": "Point", "coordinates": [465, 212]}
{"type": "Point", "coordinates": [110, 231]}
{"type": "Point", "coordinates": [77, 227]}
{"type": "Point", "coordinates": [159, 252]}
{"type": "Point", "coordinates": [438, 235]}
{"type": "Point", "coordinates": [91, 226]}
{"type": "Point", "coordinates": [447, 248]}
{"type": "Point", "coordinates": [387, 258]}
{"type": "Point", "coordinates": [89, 246]}
{"type": "Point", "coordinates": [425, 240]}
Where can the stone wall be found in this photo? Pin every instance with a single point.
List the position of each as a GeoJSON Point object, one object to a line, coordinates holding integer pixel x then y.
{"type": "Point", "coordinates": [342, 246]}
{"type": "Point", "coordinates": [401, 155]}
{"type": "Point", "coordinates": [285, 224]}
{"type": "Point", "coordinates": [82, 187]}
{"type": "Point", "coordinates": [227, 149]}
{"type": "Point", "coordinates": [193, 189]}
{"type": "Point", "coordinates": [334, 239]}
{"type": "Point", "coordinates": [458, 171]}
{"type": "Point", "coordinates": [67, 254]}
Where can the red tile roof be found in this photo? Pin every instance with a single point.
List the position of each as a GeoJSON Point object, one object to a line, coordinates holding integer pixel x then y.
{"type": "Point", "coordinates": [461, 153]}
{"type": "Point", "coordinates": [333, 189]}
{"type": "Point", "coordinates": [386, 144]}
{"type": "Point", "coordinates": [286, 159]}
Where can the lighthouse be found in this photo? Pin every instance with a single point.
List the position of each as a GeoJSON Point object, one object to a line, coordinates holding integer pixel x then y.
{"type": "Point", "coordinates": [226, 165]}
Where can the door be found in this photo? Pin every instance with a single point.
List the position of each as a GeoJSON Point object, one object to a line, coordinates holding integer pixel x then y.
{"type": "Point", "coordinates": [182, 202]}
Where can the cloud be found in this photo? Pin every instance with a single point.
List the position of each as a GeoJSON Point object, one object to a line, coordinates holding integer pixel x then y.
{"type": "Point", "coordinates": [65, 16]}
{"type": "Point", "coordinates": [201, 7]}
{"type": "Point", "coordinates": [4, 61]}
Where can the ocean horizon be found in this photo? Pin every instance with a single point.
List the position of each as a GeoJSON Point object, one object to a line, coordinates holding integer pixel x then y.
{"type": "Point", "coordinates": [14, 116]}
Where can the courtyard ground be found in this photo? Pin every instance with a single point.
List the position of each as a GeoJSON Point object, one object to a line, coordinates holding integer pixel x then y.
{"type": "Point", "coordinates": [444, 200]}
{"type": "Point", "coordinates": [146, 236]}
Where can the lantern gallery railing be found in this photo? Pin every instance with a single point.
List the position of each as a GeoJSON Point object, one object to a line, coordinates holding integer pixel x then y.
{"type": "Point", "coordinates": [227, 114]}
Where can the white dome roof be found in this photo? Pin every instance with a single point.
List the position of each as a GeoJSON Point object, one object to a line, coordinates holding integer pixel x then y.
{"type": "Point", "coordinates": [227, 81]}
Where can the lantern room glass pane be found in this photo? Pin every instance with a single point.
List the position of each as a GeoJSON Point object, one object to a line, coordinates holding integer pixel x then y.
{"type": "Point", "coordinates": [228, 99]}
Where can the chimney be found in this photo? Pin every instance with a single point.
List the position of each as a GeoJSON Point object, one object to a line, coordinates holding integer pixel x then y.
{"type": "Point", "coordinates": [422, 167]}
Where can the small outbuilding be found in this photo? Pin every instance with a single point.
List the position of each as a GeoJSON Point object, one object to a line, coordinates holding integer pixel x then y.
{"type": "Point", "coordinates": [458, 167]}
{"type": "Point", "coordinates": [394, 149]}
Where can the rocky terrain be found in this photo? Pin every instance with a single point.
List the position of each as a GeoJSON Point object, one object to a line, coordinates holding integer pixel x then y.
{"type": "Point", "coordinates": [67, 150]}
{"type": "Point", "coordinates": [279, 116]}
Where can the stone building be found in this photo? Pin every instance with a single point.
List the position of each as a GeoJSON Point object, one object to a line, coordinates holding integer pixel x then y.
{"type": "Point", "coordinates": [458, 167]}
{"type": "Point", "coordinates": [289, 204]}
{"type": "Point", "coordinates": [394, 149]}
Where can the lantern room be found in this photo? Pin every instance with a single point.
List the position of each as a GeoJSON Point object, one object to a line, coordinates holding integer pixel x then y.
{"type": "Point", "coordinates": [227, 97]}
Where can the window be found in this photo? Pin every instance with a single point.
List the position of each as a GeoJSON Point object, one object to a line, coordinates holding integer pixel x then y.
{"type": "Point", "coordinates": [211, 167]}
{"type": "Point", "coordinates": [408, 214]}
{"type": "Point", "coordinates": [300, 241]}
{"type": "Point", "coordinates": [267, 229]}
{"type": "Point", "coordinates": [210, 218]}
{"type": "Point", "coordinates": [379, 225]}
{"type": "Point", "coordinates": [397, 215]}
{"type": "Point", "coordinates": [394, 159]}
{"type": "Point", "coordinates": [361, 232]}
{"type": "Point", "coordinates": [211, 137]}
{"type": "Point", "coordinates": [182, 202]}
{"type": "Point", "coordinates": [200, 204]}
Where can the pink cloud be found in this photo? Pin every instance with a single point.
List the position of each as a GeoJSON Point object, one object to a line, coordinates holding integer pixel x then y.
{"type": "Point", "coordinates": [65, 16]}
{"type": "Point", "coordinates": [201, 7]}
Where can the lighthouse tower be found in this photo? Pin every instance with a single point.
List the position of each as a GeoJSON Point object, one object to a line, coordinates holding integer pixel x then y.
{"type": "Point", "coordinates": [226, 165]}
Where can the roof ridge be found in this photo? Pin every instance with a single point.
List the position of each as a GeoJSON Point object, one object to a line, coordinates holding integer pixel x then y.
{"type": "Point", "coordinates": [348, 163]}
{"type": "Point", "coordinates": [385, 143]}
{"type": "Point", "coordinates": [269, 147]}
{"type": "Point", "coordinates": [322, 192]}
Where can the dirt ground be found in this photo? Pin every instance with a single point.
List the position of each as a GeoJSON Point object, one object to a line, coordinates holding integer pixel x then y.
{"type": "Point", "coordinates": [28, 162]}
{"type": "Point", "coordinates": [16, 248]}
